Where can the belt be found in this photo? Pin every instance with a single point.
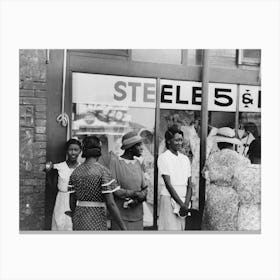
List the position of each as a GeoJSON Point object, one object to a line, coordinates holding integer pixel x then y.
{"type": "Point", "coordinates": [90, 204]}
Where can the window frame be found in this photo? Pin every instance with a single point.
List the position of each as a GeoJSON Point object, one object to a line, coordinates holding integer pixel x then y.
{"type": "Point", "coordinates": [249, 61]}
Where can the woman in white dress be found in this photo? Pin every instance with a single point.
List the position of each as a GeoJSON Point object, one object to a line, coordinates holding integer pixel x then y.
{"type": "Point", "coordinates": [176, 192]}
{"type": "Point", "coordinates": [61, 220]}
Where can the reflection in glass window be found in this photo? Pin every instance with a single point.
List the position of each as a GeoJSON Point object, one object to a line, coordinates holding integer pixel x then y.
{"type": "Point", "coordinates": [217, 57]}
{"type": "Point", "coordinates": [222, 57]}
{"type": "Point", "coordinates": [249, 57]}
{"type": "Point", "coordinates": [172, 56]}
{"type": "Point", "coordinates": [249, 130]}
{"type": "Point", "coordinates": [195, 56]}
{"type": "Point", "coordinates": [110, 123]}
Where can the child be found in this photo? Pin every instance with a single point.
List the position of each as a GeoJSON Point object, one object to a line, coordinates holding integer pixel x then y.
{"type": "Point", "coordinates": [60, 219]}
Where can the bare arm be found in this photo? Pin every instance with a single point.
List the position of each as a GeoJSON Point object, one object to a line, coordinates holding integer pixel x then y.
{"type": "Point", "coordinates": [171, 190]}
{"type": "Point", "coordinates": [123, 193]}
{"type": "Point", "coordinates": [114, 210]}
{"type": "Point", "coordinates": [189, 192]}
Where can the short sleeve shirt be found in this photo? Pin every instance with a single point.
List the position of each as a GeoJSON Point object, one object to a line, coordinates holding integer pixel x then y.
{"type": "Point", "coordinates": [178, 168]}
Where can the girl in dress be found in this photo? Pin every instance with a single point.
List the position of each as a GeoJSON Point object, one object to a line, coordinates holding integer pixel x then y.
{"type": "Point", "coordinates": [61, 220]}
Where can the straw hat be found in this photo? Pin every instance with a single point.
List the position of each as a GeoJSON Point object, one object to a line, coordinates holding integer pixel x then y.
{"type": "Point", "coordinates": [130, 139]}
{"type": "Point", "coordinates": [227, 135]}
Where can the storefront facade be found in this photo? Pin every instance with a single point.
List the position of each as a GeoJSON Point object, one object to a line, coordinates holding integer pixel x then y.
{"type": "Point", "coordinates": [110, 92]}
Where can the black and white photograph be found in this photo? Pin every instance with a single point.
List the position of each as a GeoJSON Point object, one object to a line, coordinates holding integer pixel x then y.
{"type": "Point", "coordinates": [140, 139]}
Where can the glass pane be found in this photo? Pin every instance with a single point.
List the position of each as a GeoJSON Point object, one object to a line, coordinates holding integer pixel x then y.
{"type": "Point", "coordinates": [110, 122]}
{"type": "Point", "coordinates": [256, 54]}
{"type": "Point", "coordinates": [249, 130]}
{"type": "Point", "coordinates": [173, 56]}
{"type": "Point", "coordinates": [222, 57]}
{"type": "Point", "coordinates": [217, 57]}
{"type": "Point", "coordinates": [195, 57]}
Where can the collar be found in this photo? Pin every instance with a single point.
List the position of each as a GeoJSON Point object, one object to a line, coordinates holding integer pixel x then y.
{"type": "Point", "coordinates": [128, 161]}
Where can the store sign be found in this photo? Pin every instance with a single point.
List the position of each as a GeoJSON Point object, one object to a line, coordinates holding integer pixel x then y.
{"type": "Point", "coordinates": [250, 99]}
{"type": "Point", "coordinates": [141, 92]}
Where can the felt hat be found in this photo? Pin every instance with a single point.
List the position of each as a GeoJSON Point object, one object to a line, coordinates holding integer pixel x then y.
{"type": "Point", "coordinates": [227, 135]}
{"type": "Point", "coordinates": [130, 139]}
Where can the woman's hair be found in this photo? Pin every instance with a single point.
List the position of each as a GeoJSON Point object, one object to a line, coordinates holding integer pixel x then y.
{"type": "Point", "coordinates": [251, 127]}
{"type": "Point", "coordinates": [224, 145]}
{"type": "Point", "coordinates": [170, 133]}
{"type": "Point", "coordinates": [91, 147]}
{"type": "Point", "coordinates": [72, 141]}
{"type": "Point", "coordinates": [254, 151]}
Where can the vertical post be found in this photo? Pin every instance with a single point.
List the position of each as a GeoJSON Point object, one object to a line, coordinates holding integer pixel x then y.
{"type": "Point", "coordinates": [237, 110]}
{"type": "Point", "coordinates": [204, 129]}
{"type": "Point", "coordinates": [156, 143]}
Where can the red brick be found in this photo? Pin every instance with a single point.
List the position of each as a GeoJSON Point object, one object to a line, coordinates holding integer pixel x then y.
{"type": "Point", "coordinates": [40, 115]}
{"type": "Point", "coordinates": [42, 160]}
{"type": "Point", "coordinates": [40, 129]}
{"type": "Point", "coordinates": [42, 167]}
{"type": "Point", "coordinates": [26, 92]}
{"type": "Point", "coordinates": [27, 189]}
{"type": "Point", "coordinates": [41, 175]}
{"type": "Point", "coordinates": [28, 182]}
{"type": "Point", "coordinates": [41, 152]}
{"type": "Point", "coordinates": [40, 122]}
{"type": "Point", "coordinates": [40, 93]}
{"type": "Point", "coordinates": [41, 182]}
{"type": "Point", "coordinates": [28, 84]}
{"type": "Point", "coordinates": [40, 86]}
{"type": "Point", "coordinates": [41, 145]}
{"type": "Point", "coordinates": [41, 108]}
{"type": "Point", "coordinates": [33, 101]}
{"type": "Point", "coordinates": [40, 137]}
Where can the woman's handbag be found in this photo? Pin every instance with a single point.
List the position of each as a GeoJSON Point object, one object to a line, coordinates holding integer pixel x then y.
{"type": "Point", "coordinates": [193, 220]}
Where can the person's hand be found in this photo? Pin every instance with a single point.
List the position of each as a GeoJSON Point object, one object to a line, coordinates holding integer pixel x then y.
{"type": "Point", "coordinates": [49, 166]}
{"type": "Point", "coordinates": [140, 196]}
{"type": "Point", "coordinates": [183, 210]}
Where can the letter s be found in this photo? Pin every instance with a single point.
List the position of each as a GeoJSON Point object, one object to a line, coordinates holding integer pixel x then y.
{"type": "Point", "coordinates": [119, 90]}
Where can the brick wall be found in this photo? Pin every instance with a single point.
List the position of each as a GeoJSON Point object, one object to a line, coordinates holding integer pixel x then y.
{"type": "Point", "coordinates": [33, 106]}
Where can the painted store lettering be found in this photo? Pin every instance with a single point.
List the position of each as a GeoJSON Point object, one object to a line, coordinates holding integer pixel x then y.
{"type": "Point", "coordinates": [123, 89]}
{"type": "Point", "coordinates": [174, 94]}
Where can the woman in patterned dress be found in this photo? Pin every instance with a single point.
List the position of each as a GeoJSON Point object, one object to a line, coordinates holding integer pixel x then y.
{"type": "Point", "coordinates": [94, 189]}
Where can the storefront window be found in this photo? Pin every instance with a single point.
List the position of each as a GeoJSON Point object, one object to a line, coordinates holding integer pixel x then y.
{"type": "Point", "coordinates": [217, 57]}
{"type": "Point", "coordinates": [110, 106]}
{"type": "Point", "coordinates": [249, 130]}
{"type": "Point", "coordinates": [173, 56]}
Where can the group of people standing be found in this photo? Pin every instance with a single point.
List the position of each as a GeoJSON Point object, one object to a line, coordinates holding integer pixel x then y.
{"type": "Point", "coordinates": [90, 194]}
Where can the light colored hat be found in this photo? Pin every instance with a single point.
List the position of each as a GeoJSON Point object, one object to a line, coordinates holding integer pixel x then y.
{"type": "Point", "coordinates": [130, 139]}
{"type": "Point", "coordinates": [226, 135]}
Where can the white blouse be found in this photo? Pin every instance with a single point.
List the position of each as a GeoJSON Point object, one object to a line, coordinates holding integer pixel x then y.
{"type": "Point", "coordinates": [178, 168]}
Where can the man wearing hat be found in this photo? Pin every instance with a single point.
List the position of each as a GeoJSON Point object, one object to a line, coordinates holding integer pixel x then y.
{"type": "Point", "coordinates": [127, 170]}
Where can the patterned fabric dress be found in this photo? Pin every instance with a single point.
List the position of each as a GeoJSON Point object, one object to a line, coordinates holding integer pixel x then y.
{"type": "Point", "coordinates": [232, 187]}
{"type": "Point", "coordinates": [90, 182]}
